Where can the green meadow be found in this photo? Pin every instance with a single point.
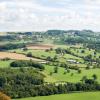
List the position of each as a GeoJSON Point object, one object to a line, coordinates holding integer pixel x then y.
{"type": "Point", "coordinates": [72, 96]}
{"type": "Point", "coordinates": [73, 76]}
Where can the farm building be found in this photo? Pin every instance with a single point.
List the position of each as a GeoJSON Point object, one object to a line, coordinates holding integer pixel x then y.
{"type": "Point", "coordinates": [72, 61]}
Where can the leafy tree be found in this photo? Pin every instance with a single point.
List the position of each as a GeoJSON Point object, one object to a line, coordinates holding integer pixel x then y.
{"type": "Point", "coordinates": [55, 69]}
{"type": "Point", "coordinates": [94, 76]}
{"type": "Point", "coordinates": [83, 51]}
{"type": "Point", "coordinates": [83, 79]}
{"type": "Point", "coordinates": [79, 71]}
{"type": "Point", "coordinates": [29, 54]}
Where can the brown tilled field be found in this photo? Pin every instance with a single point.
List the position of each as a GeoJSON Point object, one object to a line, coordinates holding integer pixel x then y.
{"type": "Point", "coordinates": [39, 47]}
{"type": "Point", "coordinates": [16, 56]}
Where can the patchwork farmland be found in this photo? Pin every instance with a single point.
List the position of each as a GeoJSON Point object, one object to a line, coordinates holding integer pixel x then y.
{"type": "Point", "coordinates": [42, 64]}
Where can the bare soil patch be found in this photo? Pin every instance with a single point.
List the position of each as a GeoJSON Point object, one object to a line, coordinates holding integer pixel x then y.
{"type": "Point", "coordinates": [39, 47]}
{"type": "Point", "coordinates": [17, 56]}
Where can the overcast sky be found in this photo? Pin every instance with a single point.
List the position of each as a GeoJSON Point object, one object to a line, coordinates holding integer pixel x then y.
{"type": "Point", "coordinates": [41, 15]}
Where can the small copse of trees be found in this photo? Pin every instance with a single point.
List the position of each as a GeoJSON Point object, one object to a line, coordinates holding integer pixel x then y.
{"type": "Point", "coordinates": [26, 63]}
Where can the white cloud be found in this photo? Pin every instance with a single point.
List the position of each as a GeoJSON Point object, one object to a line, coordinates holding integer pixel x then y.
{"type": "Point", "coordinates": [28, 15]}
{"type": "Point", "coordinates": [93, 1]}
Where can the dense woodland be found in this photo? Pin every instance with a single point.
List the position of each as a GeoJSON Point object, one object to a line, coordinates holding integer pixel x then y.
{"type": "Point", "coordinates": [18, 84]}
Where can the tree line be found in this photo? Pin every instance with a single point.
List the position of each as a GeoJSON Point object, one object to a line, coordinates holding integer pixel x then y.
{"type": "Point", "coordinates": [11, 46]}
{"type": "Point", "coordinates": [26, 63]}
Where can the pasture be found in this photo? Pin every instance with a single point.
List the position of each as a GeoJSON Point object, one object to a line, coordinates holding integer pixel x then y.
{"type": "Point", "coordinates": [5, 64]}
{"type": "Point", "coordinates": [71, 96]}
{"type": "Point", "coordinates": [72, 76]}
{"type": "Point", "coordinates": [43, 54]}
{"type": "Point", "coordinates": [39, 52]}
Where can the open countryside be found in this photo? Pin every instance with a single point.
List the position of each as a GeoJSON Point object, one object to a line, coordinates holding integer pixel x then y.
{"type": "Point", "coordinates": [49, 49]}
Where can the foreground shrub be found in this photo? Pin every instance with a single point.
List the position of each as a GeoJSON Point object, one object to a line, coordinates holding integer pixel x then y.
{"type": "Point", "coordinates": [4, 97]}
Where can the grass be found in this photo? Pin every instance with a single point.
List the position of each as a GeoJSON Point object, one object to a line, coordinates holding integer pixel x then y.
{"type": "Point", "coordinates": [60, 76]}
{"type": "Point", "coordinates": [87, 52]}
{"type": "Point", "coordinates": [72, 96]}
{"type": "Point", "coordinates": [73, 76]}
{"type": "Point", "coordinates": [42, 54]}
{"type": "Point", "coordinates": [5, 64]}
{"type": "Point", "coordinates": [75, 49]}
{"type": "Point", "coordinates": [36, 53]}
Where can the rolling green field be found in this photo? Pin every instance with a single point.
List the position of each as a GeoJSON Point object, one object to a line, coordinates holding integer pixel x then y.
{"type": "Point", "coordinates": [5, 64]}
{"type": "Point", "coordinates": [43, 55]}
{"type": "Point", "coordinates": [60, 76]}
{"type": "Point", "coordinates": [73, 96]}
{"type": "Point", "coordinates": [78, 51]}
